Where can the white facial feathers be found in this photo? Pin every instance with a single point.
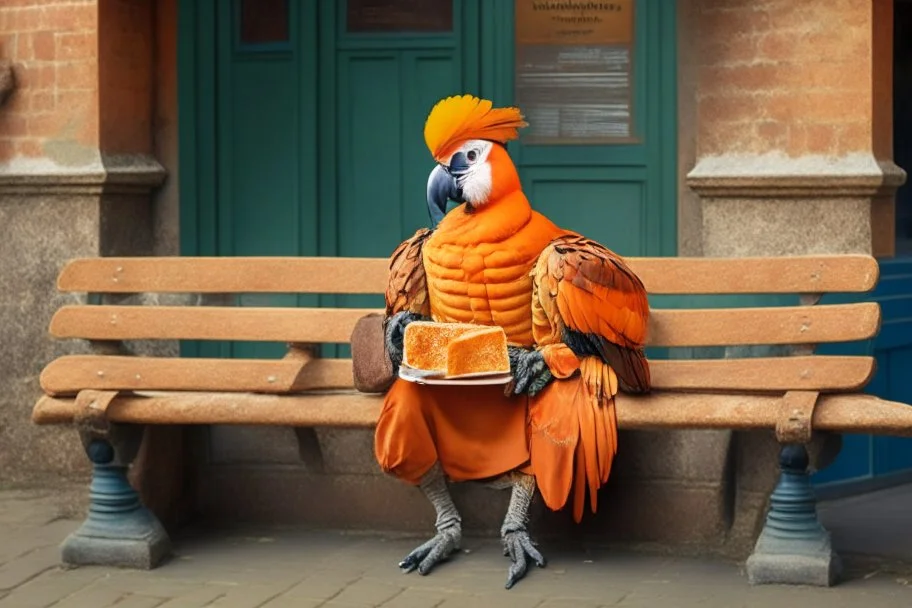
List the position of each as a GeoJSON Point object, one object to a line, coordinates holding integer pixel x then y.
{"type": "Point", "coordinates": [476, 183]}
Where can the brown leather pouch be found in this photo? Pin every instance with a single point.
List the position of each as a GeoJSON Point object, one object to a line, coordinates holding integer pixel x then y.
{"type": "Point", "coordinates": [371, 366]}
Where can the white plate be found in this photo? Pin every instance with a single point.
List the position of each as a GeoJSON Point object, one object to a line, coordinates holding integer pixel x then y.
{"type": "Point", "coordinates": [477, 380]}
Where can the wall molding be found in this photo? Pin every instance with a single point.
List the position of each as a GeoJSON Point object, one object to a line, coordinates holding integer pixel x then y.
{"type": "Point", "coordinates": [109, 174]}
{"type": "Point", "coordinates": [776, 176]}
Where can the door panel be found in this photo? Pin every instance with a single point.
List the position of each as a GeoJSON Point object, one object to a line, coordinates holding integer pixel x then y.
{"type": "Point", "coordinates": [369, 150]}
{"type": "Point", "coordinates": [385, 85]}
{"type": "Point", "coordinates": [580, 204]}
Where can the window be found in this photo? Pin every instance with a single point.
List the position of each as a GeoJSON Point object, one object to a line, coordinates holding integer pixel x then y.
{"type": "Point", "coordinates": [386, 16]}
{"type": "Point", "coordinates": [574, 66]}
{"type": "Point", "coordinates": [263, 22]}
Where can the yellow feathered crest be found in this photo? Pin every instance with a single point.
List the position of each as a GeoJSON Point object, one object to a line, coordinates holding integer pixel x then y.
{"type": "Point", "coordinates": [459, 118]}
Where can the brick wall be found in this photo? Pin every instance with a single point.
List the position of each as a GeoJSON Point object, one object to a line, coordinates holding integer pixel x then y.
{"type": "Point", "coordinates": [54, 48]}
{"type": "Point", "coordinates": [785, 75]}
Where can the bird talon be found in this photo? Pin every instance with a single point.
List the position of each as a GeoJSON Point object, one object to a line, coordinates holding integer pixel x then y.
{"type": "Point", "coordinates": [438, 549]}
{"type": "Point", "coordinates": [518, 546]}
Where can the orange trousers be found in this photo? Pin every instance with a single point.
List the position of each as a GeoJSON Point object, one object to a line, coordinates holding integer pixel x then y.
{"type": "Point", "coordinates": [473, 431]}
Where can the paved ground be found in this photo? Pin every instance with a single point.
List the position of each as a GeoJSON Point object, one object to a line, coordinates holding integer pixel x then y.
{"type": "Point", "coordinates": [274, 568]}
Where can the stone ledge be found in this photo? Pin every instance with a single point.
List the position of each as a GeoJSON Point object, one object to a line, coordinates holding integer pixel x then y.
{"type": "Point", "coordinates": [778, 176]}
{"type": "Point", "coordinates": [108, 174]}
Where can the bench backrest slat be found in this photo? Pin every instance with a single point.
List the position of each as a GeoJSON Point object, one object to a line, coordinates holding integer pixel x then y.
{"type": "Point", "coordinates": [803, 274]}
{"type": "Point", "coordinates": [70, 374]}
{"type": "Point", "coordinates": [704, 327]}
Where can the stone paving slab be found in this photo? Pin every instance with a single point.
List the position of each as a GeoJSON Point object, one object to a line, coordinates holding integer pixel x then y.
{"type": "Point", "coordinates": [285, 568]}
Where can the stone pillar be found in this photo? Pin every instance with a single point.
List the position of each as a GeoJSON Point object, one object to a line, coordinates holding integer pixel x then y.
{"type": "Point", "coordinates": [77, 174]}
{"type": "Point", "coordinates": [790, 154]}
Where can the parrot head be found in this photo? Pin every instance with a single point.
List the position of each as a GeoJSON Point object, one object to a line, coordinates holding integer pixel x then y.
{"type": "Point", "coordinates": [466, 137]}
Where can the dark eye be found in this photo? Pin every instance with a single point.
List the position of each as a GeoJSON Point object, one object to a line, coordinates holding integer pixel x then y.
{"type": "Point", "coordinates": [471, 155]}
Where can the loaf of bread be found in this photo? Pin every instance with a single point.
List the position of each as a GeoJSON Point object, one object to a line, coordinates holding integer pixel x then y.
{"type": "Point", "coordinates": [455, 349]}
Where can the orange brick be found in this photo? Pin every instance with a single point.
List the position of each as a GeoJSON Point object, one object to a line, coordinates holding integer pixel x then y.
{"type": "Point", "coordinates": [720, 50]}
{"type": "Point", "coordinates": [41, 101]}
{"type": "Point", "coordinates": [724, 136]}
{"type": "Point", "coordinates": [755, 77]}
{"type": "Point", "coordinates": [43, 46]}
{"type": "Point", "coordinates": [771, 134]}
{"type": "Point", "coordinates": [7, 150]}
{"type": "Point", "coordinates": [733, 107]}
{"type": "Point", "coordinates": [836, 107]}
{"type": "Point", "coordinates": [822, 74]}
{"type": "Point", "coordinates": [75, 99]}
{"type": "Point", "coordinates": [23, 19]}
{"type": "Point", "coordinates": [737, 22]}
{"type": "Point", "coordinates": [36, 76]}
{"type": "Point", "coordinates": [812, 139]}
{"type": "Point", "coordinates": [851, 44]}
{"type": "Point", "coordinates": [23, 46]}
{"type": "Point", "coordinates": [800, 16]}
{"type": "Point", "coordinates": [74, 17]}
{"type": "Point", "coordinates": [853, 137]}
{"type": "Point", "coordinates": [726, 6]}
{"type": "Point", "coordinates": [76, 74]}
{"type": "Point", "coordinates": [47, 124]}
{"type": "Point", "coordinates": [83, 45]}
{"type": "Point", "coordinates": [13, 125]}
{"type": "Point", "coordinates": [31, 147]}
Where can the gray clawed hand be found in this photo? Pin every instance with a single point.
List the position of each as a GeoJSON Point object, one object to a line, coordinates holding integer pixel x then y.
{"type": "Point", "coordinates": [395, 334]}
{"type": "Point", "coordinates": [530, 372]}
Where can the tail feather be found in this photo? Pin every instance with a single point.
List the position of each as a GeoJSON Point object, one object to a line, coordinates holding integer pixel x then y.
{"type": "Point", "coordinates": [553, 437]}
{"type": "Point", "coordinates": [588, 445]}
{"type": "Point", "coordinates": [579, 484]}
{"type": "Point", "coordinates": [573, 437]}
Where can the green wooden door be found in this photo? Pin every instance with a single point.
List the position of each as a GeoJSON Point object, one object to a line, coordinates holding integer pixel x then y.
{"type": "Point", "coordinates": [302, 128]}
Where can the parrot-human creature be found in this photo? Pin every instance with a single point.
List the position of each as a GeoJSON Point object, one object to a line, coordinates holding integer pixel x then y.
{"type": "Point", "coordinates": [575, 317]}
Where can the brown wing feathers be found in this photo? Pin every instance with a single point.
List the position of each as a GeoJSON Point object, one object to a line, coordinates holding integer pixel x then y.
{"type": "Point", "coordinates": [603, 307]}
{"type": "Point", "coordinates": [407, 287]}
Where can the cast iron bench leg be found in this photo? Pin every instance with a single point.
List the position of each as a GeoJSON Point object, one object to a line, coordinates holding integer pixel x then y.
{"type": "Point", "coordinates": [794, 547]}
{"type": "Point", "coordinates": [119, 530]}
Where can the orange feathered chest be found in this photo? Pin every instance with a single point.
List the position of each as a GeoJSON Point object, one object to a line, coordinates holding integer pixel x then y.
{"type": "Point", "coordinates": [478, 263]}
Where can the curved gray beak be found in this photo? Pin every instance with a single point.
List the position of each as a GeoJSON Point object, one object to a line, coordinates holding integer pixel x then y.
{"type": "Point", "coordinates": [441, 188]}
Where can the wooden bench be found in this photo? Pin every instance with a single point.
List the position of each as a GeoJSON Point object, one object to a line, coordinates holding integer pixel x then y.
{"type": "Point", "coordinates": [110, 392]}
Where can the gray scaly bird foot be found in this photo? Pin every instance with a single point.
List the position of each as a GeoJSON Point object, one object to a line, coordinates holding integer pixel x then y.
{"type": "Point", "coordinates": [516, 542]}
{"type": "Point", "coordinates": [434, 551]}
{"type": "Point", "coordinates": [518, 547]}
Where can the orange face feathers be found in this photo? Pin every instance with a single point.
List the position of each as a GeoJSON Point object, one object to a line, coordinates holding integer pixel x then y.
{"type": "Point", "coordinates": [459, 118]}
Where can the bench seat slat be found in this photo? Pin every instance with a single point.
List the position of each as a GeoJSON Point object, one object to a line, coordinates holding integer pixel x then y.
{"type": "Point", "coordinates": [705, 327]}
{"type": "Point", "coordinates": [855, 413]}
{"type": "Point", "coordinates": [72, 373]}
{"type": "Point", "coordinates": [821, 274]}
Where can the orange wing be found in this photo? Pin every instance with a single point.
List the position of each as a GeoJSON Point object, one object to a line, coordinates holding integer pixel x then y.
{"type": "Point", "coordinates": [584, 295]}
{"type": "Point", "coordinates": [407, 287]}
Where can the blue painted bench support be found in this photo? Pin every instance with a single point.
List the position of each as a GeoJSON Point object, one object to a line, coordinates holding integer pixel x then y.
{"type": "Point", "coordinates": [119, 530]}
{"type": "Point", "coordinates": [793, 547]}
